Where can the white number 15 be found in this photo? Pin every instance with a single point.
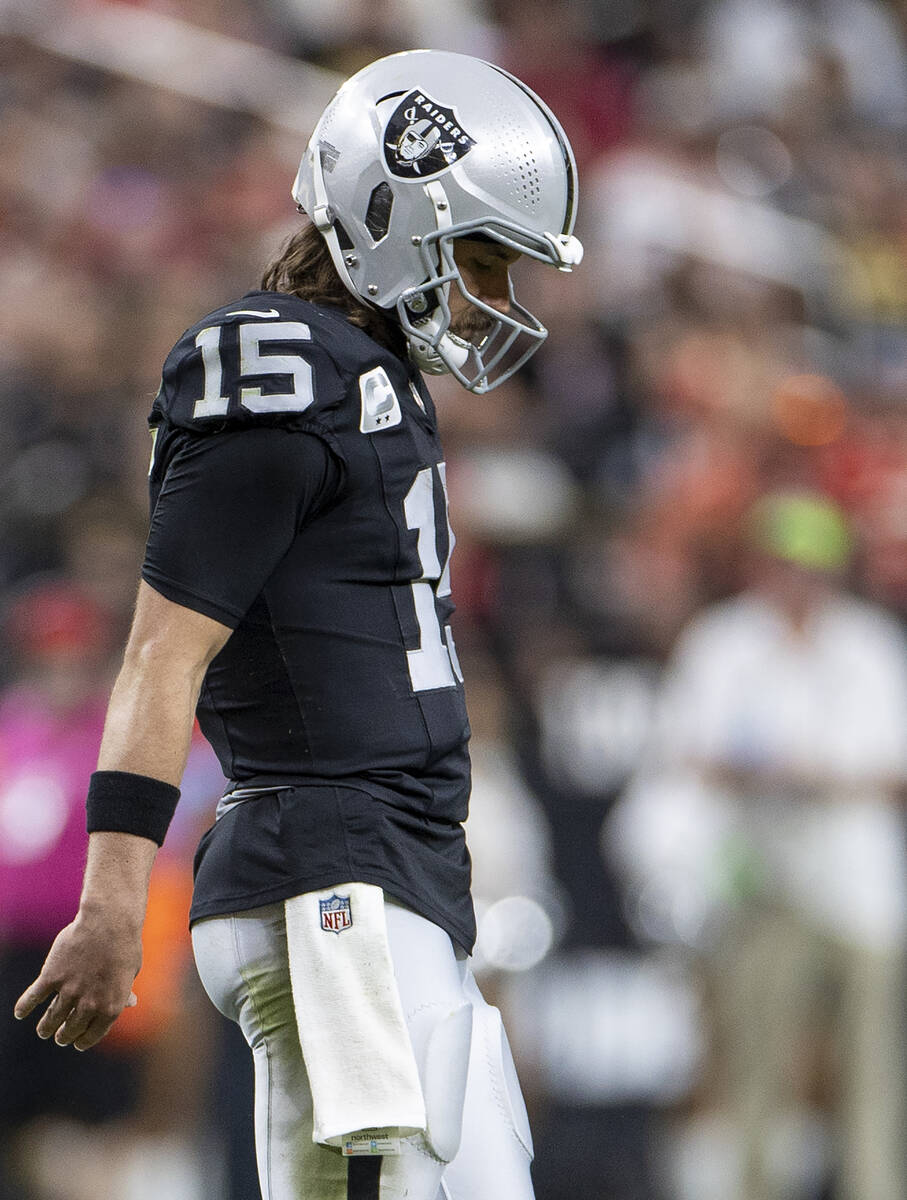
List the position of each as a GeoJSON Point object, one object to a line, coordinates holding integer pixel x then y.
{"type": "Point", "coordinates": [252, 362]}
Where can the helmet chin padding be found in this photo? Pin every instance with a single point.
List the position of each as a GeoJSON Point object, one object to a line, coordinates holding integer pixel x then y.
{"type": "Point", "coordinates": [437, 355]}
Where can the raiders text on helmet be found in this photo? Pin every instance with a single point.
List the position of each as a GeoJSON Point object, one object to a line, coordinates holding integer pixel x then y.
{"type": "Point", "coordinates": [421, 148]}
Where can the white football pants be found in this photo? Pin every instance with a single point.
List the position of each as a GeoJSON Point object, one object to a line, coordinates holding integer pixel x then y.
{"type": "Point", "coordinates": [243, 963]}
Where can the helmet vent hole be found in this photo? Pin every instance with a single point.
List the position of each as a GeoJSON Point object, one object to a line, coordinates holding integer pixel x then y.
{"type": "Point", "coordinates": [518, 166]}
{"type": "Point", "coordinates": [378, 213]}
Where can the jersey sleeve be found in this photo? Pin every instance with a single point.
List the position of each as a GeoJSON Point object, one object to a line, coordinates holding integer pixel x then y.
{"type": "Point", "coordinates": [228, 510]}
{"type": "Point", "coordinates": [251, 365]}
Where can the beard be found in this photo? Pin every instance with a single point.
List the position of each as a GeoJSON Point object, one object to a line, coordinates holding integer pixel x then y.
{"type": "Point", "coordinates": [472, 324]}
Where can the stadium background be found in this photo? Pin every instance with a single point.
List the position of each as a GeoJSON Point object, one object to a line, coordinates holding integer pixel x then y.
{"type": "Point", "coordinates": [736, 330]}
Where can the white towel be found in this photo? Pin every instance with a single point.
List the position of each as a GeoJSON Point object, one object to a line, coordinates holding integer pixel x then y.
{"type": "Point", "coordinates": [356, 1047]}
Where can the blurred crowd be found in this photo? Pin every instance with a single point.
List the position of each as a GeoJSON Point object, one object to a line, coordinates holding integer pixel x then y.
{"type": "Point", "coordinates": [681, 572]}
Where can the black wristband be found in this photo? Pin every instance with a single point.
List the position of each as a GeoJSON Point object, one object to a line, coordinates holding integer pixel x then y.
{"type": "Point", "coordinates": [120, 802]}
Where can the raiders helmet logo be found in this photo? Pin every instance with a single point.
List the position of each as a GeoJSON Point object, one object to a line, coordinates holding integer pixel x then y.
{"type": "Point", "coordinates": [423, 138]}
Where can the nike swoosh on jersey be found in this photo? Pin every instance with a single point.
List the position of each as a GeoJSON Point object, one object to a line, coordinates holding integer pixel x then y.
{"type": "Point", "coordinates": [253, 312]}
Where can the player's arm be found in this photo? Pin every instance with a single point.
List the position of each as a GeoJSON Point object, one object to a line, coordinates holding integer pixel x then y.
{"type": "Point", "coordinates": [227, 512]}
{"type": "Point", "coordinates": [89, 971]}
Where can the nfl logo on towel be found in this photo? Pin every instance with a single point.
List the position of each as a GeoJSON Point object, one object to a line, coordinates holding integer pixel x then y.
{"type": "Point", "coordinates": [336, 914]}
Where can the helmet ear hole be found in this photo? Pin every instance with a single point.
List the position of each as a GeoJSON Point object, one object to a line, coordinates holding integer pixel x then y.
{"type": "Point", "coordinates": [378, 213]}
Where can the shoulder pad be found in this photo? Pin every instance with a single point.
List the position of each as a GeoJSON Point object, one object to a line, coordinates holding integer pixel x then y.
{"type": "Point", "coordinates": [261, 359]}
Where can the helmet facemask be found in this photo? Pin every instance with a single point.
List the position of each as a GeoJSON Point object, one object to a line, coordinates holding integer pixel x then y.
{"type": "Point", "coordinates": [479, 362]}
{"type": "Point", "coordinates": [514, 335]}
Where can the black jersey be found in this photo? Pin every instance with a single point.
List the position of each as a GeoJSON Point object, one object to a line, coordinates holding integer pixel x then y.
{"type": "Point", "coordinates": [298, 496]}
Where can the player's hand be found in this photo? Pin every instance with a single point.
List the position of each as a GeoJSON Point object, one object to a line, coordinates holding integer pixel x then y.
{"type": "Point", "coordinates": [88, 977]}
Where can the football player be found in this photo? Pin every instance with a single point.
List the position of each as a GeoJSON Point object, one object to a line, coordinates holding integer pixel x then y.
{"type": "Point", "coordinates": [295, 595]}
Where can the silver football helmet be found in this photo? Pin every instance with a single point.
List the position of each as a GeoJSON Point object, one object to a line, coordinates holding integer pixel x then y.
{"type": "Point", "coordinates": [417, 150]}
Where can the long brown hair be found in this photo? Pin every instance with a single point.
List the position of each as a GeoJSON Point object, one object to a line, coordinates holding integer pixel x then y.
{"type": "Point", "coordinates": [304, 268]}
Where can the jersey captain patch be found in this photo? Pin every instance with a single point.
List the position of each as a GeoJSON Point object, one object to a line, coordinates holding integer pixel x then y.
{"type": "Point", "coordinates": [380, 406]}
